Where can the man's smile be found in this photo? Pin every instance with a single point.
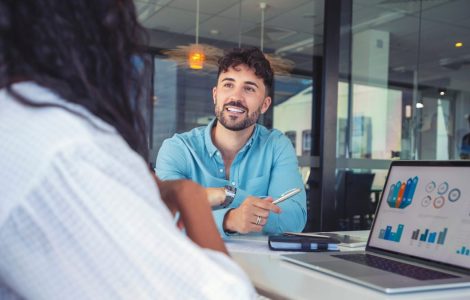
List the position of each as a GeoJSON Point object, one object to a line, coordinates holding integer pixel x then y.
{"type": "Point", "coordinates": [233, 109]}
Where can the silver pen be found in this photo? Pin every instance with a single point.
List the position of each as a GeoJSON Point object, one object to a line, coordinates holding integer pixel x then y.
{"type": "Point", "coordinates": [287, 195]}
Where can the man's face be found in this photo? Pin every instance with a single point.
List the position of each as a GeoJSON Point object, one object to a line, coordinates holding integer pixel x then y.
{"type": "Point", "coordinates": [239, 98]}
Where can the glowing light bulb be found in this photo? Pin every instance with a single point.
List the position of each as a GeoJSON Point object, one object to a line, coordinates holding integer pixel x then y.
{"type": "Point", "coordinates": [196, 58]}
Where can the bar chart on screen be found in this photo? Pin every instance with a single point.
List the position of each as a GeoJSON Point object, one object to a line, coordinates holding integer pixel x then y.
{"type": "Point", "coordinates": [401, 194]}
{"type": "Point", "coordinates": [389, 235]}
{"type": "Point", "coordinates": [463, 251]}
{"type": "Point", "coordinates": [429, 237]}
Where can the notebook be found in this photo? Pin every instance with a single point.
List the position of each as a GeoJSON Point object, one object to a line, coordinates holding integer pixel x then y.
{"type": "Point", "coordinates": [420, 238]}
{"type": "Point", "coordinates": [345, 239]}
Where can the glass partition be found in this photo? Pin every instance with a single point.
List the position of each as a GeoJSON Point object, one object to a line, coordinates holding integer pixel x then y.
{"type": "Point", "coordinates": [290, 30]}
{"type": "Point", "coordinates": [403, 92]}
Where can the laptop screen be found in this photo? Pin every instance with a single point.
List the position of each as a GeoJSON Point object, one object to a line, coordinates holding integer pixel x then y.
{"type": "Point", "coordinates": [425, 212]}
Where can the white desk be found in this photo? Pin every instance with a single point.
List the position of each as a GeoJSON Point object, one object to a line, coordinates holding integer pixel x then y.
{"type": "Point", "coordinates": [278, 279]}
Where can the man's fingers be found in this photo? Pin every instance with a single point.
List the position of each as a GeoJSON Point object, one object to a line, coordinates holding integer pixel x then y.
{"type": "Point", "coordinates": [263, 213]}
{"type": "Point", "coordinates": [252, 215]}
{"type": "Point", "coordinates": [259, 221]}
{"type": "Point", "coordinates": [266, 204]}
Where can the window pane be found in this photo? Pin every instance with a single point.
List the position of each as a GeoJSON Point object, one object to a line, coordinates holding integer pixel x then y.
{"type": "Point", "coordinates": [292, 31]}
{"type": "Point", "coordinates": [404, 90]}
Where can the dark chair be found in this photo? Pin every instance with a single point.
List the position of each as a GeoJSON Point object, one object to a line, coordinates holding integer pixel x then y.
{"type": "Point", "coordinates": [353, 200]}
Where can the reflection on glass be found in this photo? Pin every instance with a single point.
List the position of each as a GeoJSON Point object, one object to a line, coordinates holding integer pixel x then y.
{"type": "Point", "coordinates": [403, 90]}
{"type": "Point", "coordinates": [404, 94]}
{"type": "Point", "coordinates": [293, 114]}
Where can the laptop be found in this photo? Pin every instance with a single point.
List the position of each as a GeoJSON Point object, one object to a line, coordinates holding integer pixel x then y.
{"type": "Point", "coordinates": [420, 238]}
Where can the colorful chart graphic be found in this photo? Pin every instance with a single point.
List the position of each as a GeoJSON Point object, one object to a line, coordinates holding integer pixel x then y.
{"type": "Point", "coordinates": [443, 188]}
{"type": "Point", "coordinates": [426, 201]}
{"type": "Point", "coordinates": [430, 187]}
{"type": "Point", "coordinates": [454, 195]}
{"type": "Point", "coordinates": [439, 194]}
{"type": "Point", "coordinates": [439, 202]}
{"type": "Point", "coordinates": [463, 251]}
{"type": "Point", "coordinates": [401, 193]}
{"type": "Point", "coordinates": [429, 237]}
{"type": "Point", "coordinates": [389, 235]}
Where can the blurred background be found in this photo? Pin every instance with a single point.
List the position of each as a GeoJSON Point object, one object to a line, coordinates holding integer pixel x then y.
{"type": "Point", "coordinates": [372, 81]}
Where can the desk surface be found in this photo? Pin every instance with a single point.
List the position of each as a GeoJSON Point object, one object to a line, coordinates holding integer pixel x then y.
{"type": "Point", "coordinates": [283, 280]}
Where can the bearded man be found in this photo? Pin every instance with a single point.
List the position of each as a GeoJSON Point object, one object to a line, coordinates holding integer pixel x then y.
{"type": "Point", "coordinates": [242, 164]}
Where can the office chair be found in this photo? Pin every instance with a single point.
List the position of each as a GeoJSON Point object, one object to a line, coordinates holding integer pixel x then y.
{"type": "Point", "coordinates": [353, 201]}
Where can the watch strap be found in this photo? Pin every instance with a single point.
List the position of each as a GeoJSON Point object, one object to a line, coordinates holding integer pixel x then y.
{"type": "Point", "coordinates": [230, 192]}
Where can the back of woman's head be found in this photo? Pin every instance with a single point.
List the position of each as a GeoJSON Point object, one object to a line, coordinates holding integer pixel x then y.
{"type": "Point", "coordinates": [80, 49]}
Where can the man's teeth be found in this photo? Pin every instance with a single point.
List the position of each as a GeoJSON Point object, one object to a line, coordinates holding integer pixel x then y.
{"type": "Point", "coordinates": [233, 109]}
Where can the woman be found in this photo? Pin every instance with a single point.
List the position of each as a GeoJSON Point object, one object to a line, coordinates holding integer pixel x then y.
{"type": "Point", "coordinates": [80, 215]}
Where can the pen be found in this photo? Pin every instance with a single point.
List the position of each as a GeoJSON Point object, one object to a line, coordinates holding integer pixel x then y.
{"type": "Point", "coordinates": [287, 195]}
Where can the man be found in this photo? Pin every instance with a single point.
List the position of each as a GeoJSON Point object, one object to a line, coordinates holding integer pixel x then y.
{"type": "Point", "coordinates": [235, 158]}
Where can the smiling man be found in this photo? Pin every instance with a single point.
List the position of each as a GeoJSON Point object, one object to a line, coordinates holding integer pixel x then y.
{"type": "Point", "coordinates": [243, 165]}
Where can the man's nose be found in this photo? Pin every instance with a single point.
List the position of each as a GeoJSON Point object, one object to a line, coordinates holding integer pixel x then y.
{"type": "Point", "coordinates": [237, 94]}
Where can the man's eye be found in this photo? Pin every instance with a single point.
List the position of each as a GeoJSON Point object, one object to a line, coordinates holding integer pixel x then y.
{"type": "Point", "coordinates": [228, 84]}
{"type": "Point", "coordinates": [249, 89]}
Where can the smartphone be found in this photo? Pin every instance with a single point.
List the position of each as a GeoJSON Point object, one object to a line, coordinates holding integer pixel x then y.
{"type": "Point", "coordinates": [287, 195]}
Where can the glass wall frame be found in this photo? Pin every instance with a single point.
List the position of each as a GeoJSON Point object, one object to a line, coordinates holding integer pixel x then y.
{"type": "Point", "coordinates": [400, 91]}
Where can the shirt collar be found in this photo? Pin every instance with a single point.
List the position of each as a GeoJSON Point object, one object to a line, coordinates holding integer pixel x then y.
{"type": "Point", "coordinates": [212, 149]}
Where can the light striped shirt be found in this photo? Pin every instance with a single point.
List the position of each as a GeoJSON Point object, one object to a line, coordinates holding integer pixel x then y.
{"type": "Point", "coordinates": [81, 217]}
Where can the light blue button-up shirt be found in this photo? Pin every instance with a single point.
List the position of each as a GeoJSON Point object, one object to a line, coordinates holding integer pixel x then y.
{"type": "Point", "coordinates": [265, 166]}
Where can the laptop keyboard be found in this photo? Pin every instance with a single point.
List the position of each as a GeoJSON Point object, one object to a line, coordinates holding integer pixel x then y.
{"type": "Point", "coordinates": [396, 267]}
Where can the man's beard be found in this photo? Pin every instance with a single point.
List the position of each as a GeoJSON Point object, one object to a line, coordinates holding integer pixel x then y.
{"type": "Point", "coordinates": [230, 123]}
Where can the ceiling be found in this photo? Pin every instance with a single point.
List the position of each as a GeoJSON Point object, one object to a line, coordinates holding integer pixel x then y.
{"type": "Point", "coordinates": [419, 31]}
{"type": "Point", "coordinates": [291, 27]}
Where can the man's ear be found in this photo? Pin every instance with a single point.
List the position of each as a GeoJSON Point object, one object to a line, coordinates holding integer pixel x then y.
{"type": "Point", "coordinates": [266, 104]}
{"type": "Point", "coordinates": [214, 94]}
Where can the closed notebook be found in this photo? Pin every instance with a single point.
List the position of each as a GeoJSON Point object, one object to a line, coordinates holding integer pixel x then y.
{"type": "Point", "coordinates": [302, 243]}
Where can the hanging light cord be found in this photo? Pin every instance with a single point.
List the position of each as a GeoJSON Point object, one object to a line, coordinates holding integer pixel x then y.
{"type": "Point", "coordinates": [262, 5]}
{"type": "Point", "coordinates": [197, 22]}
{"type": "Point", "coordinates": [240, 24]}
{"type": "Point", "coordinates": [419, 36]}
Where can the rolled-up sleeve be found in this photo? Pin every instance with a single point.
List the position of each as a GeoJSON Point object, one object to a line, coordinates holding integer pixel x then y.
{"type": "Point", "coordinates": [285, 176]}
{"type": "Point", "coordinates": [171, 160]}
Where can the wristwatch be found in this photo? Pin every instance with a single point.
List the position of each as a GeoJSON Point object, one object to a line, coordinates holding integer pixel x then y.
{"type": "Point", "coordinates": [230, 192]}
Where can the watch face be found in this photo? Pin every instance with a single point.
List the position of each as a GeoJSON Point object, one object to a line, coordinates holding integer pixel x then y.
{"type": "Point", "coordinates": [230, 192]}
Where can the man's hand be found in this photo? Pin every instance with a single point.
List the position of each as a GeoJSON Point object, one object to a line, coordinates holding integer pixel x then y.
{"type": "Point", "coordinates": [251, 215]}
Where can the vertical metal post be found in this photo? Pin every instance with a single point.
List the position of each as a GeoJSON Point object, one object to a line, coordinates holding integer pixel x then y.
{"type": "Point", "coordinates": [322, 181]}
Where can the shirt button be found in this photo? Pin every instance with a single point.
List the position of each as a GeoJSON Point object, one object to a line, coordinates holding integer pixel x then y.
{"type": "Point", "coordinates": [221, 170]}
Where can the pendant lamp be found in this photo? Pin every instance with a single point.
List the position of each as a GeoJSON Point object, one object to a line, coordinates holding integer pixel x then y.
{"type": "Point", "coordinates": [195, 56]}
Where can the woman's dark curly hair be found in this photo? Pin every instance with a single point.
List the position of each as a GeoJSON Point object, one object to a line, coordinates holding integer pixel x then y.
{"type": "Point", "coordinates": [254, 59]}
{"type": "Point", "coordinates": [82, 50]}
